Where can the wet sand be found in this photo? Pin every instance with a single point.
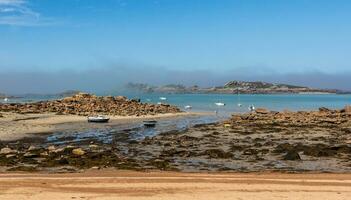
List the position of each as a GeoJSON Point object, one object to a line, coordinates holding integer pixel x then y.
{"type": "Point", "coordinates": [106, 185]}
{"type": "Point", "coordinates": [16, 126]}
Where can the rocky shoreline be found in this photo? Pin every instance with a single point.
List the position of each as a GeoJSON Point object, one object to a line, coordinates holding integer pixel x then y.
{"type": "Point", "coordinates": [233, 87]}
{"type": "Point", "coordinates": [87, 104]}
{"type": "Point", "coordinates": [259, 141]}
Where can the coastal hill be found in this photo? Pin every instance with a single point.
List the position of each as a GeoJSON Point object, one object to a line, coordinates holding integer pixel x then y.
{"type": "Point", "coordinates": [244, 87]}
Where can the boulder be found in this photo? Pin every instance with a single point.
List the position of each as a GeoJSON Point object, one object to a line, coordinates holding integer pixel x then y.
{"type": "Point", "coordinates": [217, 153]}
{"type": "Point", "coordinates": [7, 150]}
{"type": "Point", "coordinates": [292, 155]}
{"type": "Point", "coordinates": [347, 109]}
{"type": "Point", "coordinates": [262, 111]}
{"type": "Point", "coordinates": [51, 148]}
{"type": "Point", "coordinates": [324, 109]}
{"type": "Point", "coordinates": [32, 148]}
{"type": "Point", "coordinates": [121, 98]}
{"type": "Point", "coordinates": [78, 152]}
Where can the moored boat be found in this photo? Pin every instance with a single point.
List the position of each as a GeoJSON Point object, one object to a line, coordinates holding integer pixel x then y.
{"type": "Point", "coordinates": [220, 104]}
{"type": "Point", "coordinates": [252, 108]}
{"type": "Point", "coordinates": [188, 107]}
{"type": "Point", "coordinates": [150, 123]}
{"type": "Point", "coordinates": [98, 119]}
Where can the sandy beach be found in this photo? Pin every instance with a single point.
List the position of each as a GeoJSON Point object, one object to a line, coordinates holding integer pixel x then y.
{"type": "Point", "coordinates": [15, 126]}
{"type": "Point", "coordinates": [106, 185]}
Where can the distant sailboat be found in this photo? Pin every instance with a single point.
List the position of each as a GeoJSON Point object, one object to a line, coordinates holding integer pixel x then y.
{"type": "Point", "coordinates": [251, 108]}
{"type": "Point", "coordinates": [239, 104]}
{"type": "Point", "coordinates": [220, 104]}
{"type": "Point", "coordinates": [188, 107]}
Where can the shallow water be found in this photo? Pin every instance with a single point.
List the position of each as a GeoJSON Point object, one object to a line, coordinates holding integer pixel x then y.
{"type": "Point", "coordinates": [135, 131]}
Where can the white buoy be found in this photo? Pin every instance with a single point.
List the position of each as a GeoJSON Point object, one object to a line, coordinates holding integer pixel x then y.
{"type": "Point", "coordinates": [188, 107]}
{"type": "Point", "coordinates": [220, 104]}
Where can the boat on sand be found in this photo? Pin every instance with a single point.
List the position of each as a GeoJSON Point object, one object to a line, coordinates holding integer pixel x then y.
{"type": "Point", "coordinates": [98, 119]}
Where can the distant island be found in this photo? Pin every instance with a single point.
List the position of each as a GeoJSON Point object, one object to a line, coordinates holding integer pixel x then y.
{"type": "Point", "coordinates": [63, 94]}
{"type": "Point", "coordinates": [243, 87]}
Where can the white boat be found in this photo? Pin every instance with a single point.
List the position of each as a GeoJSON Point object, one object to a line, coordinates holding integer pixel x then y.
{"type": "Point", "coordinates": [6, 99]}
{"type": "Point", "coordinates": [163, 98]}
{"type": "Point", "coordinates": [239, 104]}
{"type": "Point", "coordinates": [188, 107]}
{"type": "Point", "coordinates": [98, 119]}
{"type": "Point", "coordinates": [220, 104]}
{"type": "Point", "coordinates": [251, 108]}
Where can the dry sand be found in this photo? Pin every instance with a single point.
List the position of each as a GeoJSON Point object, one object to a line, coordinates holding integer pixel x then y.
{"type": "Point", "coordinates": [108, 185]}
{"type": "Point", "coordinates": [15, 126]}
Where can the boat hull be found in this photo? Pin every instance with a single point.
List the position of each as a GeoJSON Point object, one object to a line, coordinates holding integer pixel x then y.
{"type": "Point", "coordinates": [150, 123]}
{"type": "Point", "coordinates": [98, 120]}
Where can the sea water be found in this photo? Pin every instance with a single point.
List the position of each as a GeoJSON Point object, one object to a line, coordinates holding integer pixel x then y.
{"type": "Point", "coordinates": [277, 102]}
{"type": "Point", "coordinates": [206, 102]}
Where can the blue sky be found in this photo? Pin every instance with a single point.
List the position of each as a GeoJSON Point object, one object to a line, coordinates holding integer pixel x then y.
{"type": "Point", "coordinates": [237, 36]}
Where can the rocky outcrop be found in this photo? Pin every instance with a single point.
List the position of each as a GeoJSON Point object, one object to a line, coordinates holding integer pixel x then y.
{"type": "Point", "coordinates": [88, 104]}
{"type": "Point", "coordinates": [259, 85]}
{"type": "Point", "coordinates": [322, 117]}
{"type": "Point", "coordinates": [242, 87]}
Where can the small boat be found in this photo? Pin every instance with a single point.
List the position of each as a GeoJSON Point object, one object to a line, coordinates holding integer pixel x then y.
{"type": "Point", "coordinates": [150, 123]}
{"type": "Point", "coordinates": [188, 107]}
{"type": "Point", "coordinates": [6, 99]}
{"type": "Point", "coordinates": [252, 108]}
{"type": "Point", "coordinates": [239, 104]}
{"type": "Point", "coordinates": [163, 98]}
{"type": "Point", "coordinates": [98, 119]}
{"type": "Point", "coordinates": [220, 104]}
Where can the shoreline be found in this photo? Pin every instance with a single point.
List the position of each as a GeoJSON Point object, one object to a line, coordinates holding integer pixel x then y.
{"type": "Point", "coordinates": [260, 141]}
{"type": "Point", "coordinates": [105, 185]}
{"type": "Point", "coordinates": [15, 126]}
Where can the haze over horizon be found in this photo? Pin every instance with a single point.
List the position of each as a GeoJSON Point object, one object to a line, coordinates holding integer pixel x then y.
{"type": "Point", "coordinates": [52, 46]}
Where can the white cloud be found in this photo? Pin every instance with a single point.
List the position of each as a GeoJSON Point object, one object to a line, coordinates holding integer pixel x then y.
{"type": "Point", "coordinates": [19, 13]}
{"type": "Point", "coordinates": [11, 2]}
